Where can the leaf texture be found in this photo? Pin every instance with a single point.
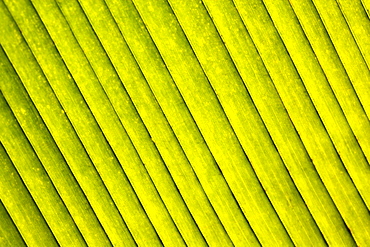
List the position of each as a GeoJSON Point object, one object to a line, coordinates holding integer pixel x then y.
{"type": "Point", "coordinates": [184, 123]}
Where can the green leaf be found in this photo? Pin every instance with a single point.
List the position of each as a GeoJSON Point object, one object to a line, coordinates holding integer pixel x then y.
{"type": "Point", "coordinates": [184, 123]}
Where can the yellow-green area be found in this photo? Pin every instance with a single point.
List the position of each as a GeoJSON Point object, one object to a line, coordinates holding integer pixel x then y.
{"type": "Point", "coordinates": [184, 123]}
